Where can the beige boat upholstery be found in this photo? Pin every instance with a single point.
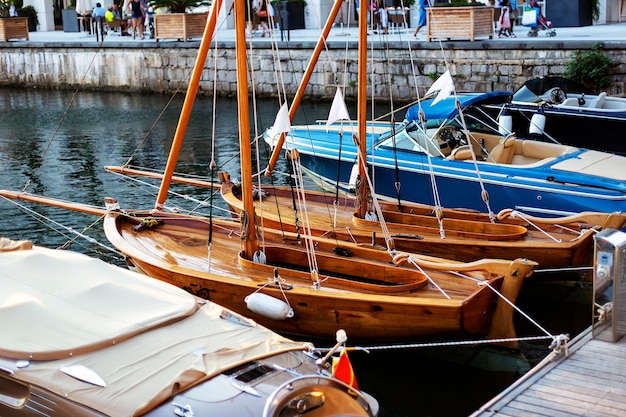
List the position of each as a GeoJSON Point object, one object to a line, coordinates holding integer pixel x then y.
{"type": "Point", "coordinates": [595, 163]}
{"type": "Point", "coordinates": [531, 151]}
{"type": "Point", "coordinates": [461, 153]}
{"type": "Point", "coordinates": [186, 344]}
{"type": "Point", "coordinates": [503, 152]}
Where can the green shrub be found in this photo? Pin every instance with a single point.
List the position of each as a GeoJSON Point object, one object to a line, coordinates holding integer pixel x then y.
{"type": "Point", "coordinates": [29, 11]}
{"type": "Point", "coordinates": [590, 68]}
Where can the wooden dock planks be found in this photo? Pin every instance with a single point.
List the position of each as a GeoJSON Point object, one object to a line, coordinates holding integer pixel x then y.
{"type": "Point", "coordinates": [590, 381]}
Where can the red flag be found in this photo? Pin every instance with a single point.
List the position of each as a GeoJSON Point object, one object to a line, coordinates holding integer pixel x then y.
{"type": "Point", "coordinates": [342, 370]}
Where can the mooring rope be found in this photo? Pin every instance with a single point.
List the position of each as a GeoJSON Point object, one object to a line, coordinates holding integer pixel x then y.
{"type": "Point", "coordinates": [440, 344]}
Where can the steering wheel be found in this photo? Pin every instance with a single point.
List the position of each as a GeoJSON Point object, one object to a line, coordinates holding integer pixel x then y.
{"type": "Point", "coordinates": [557, 96]}
{"type": "Point", "coordinates": [450, 137]}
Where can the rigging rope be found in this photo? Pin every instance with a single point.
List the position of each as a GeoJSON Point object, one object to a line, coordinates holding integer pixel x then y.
{"type": "Point", "coordinates": [502, 297]}
{"type": "Point", "coordinates": [308, 236]}
{"type": "Point", "coordinates": [182, 196]}
{"type": "Point", "coordinates": [43, 219]}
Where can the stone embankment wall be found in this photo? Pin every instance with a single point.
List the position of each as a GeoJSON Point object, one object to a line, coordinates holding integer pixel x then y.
{"type": "Point", "coordinates": [394, 71]}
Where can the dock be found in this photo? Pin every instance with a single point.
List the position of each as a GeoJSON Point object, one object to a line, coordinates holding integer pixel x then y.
{"type": "Point", "coordinates": [588, 378]}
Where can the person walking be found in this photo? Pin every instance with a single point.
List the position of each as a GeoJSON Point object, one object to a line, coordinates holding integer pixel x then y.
{"type": "Point", "coordinates": [422, 6]}
{"type": "Point", "coordinates": [264, 15]}
{"type": "Point", "coordinates": [136, 10]}
{"type": "Point", "coordinates": [383, 16]}
{"type": "Point", "coordinates": [504, 22]}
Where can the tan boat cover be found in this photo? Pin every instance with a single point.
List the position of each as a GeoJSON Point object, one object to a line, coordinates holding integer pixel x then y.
{"type": "Point", "coordinates": [58, 303]}
{"type": "Point", "coordinates": [595, 163]}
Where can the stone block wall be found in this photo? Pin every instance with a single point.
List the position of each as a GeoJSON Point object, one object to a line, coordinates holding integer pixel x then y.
{"type": "Point", "coordinates": [395, 73]}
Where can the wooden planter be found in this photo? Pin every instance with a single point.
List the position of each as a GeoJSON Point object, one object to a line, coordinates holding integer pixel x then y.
{"type": "Point", "coordinates": [13, 28]}
{"type": "Point", "coordinates": [459, 22]}
{"type": "Point", "coordinates": [179, 25]}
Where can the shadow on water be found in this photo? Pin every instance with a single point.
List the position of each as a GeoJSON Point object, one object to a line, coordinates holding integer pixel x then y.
{"type": "Point", "coordinates": [101, 129]}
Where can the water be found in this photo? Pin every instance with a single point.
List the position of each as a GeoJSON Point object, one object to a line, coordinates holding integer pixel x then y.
{"type": "Point", "coordinates": [58, 144]}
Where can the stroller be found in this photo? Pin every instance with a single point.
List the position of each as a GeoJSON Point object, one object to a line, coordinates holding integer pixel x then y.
{"type": "Point", "coordinates": [536, 21]}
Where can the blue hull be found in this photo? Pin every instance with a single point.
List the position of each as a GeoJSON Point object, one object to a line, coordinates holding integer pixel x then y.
{"type": "Point", "coordinates": [460, 191]}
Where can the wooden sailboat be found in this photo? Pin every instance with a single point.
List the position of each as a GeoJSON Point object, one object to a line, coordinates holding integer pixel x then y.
{"type": "Point", "coordinates": [305, 286]}
{"type": "Point", "coordinates": [467, 236]}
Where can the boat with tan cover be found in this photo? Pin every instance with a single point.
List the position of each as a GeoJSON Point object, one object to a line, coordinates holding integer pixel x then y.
{"type": "Point", "coordinates": [81, 337]}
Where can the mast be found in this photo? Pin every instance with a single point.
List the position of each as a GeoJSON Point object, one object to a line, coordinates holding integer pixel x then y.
{"type": "Point", "coordinates": [319, 47]}
{"type": "Point", "coordinates": [248, 234]}
{"type": "Point", "coordinates": [190, 98]}
{"type": "Point", "coordinates": [361, 103]}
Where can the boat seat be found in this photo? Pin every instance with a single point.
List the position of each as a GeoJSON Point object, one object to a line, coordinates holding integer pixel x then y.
{"type": "Point", "coordinates": [572, 102]}
{"type": "Point", "coordinates": [461, 153]}
{"type": "Point", "coordinates": [504, 151]}
{"type": "Point", "coordinates": [598, 102]}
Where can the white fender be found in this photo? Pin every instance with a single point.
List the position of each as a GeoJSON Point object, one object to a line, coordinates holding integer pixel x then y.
{"type": "Point", "coordinates": [353, 176]}
{"type": "Point", "coordinates": [268, 306]}
{"type": "Point", "coordinates": [505, 122]}
{"type": "Point", "coordinates": [537, 123]}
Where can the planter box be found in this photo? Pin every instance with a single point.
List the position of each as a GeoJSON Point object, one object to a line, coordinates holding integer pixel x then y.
{"type": "Point", "coordinates": [179, 25]}
{"type": "Point", "coordinates": [459, 22]}
{"type": "Point", "coordinates": [13, 28]}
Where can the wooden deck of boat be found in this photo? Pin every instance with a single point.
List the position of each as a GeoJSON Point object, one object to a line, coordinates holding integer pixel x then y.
{"type": "Point", "coordinates": [590, 381]}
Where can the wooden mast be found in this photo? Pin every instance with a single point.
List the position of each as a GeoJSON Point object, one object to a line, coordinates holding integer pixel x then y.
{"type": "Point", "coordinates": [248, 234]}
{"type": "Point", "coordinates": [190, 98]}
{"type": "Point", "coordinates": [319, 47]}
{"type": "Point", "coordinates": [361, 104]}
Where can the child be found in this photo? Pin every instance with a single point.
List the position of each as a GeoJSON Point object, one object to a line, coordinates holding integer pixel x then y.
{"type": "Point", "coordinates": [504, 23]}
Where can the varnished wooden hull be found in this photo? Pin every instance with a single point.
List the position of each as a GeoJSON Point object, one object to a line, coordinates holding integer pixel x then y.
{"type": "Point", "coordinates": [468, 236]}
{"type": "Point", "coordinates": [176, 252]}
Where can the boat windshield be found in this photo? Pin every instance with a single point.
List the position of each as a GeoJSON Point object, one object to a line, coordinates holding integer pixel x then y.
{"type": "Point", "coordinates": [525, 95]}
{"type": "Point", "coordinates": [413, 139]}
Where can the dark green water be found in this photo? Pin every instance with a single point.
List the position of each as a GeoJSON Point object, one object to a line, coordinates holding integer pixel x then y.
{"type": "Point", "coordinates": [56, 145]}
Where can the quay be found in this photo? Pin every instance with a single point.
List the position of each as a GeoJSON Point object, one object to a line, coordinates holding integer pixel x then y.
{"type": "Point", "coordinates": [587, 380]}
{"type": "Point", "coordinates": [400, 62]}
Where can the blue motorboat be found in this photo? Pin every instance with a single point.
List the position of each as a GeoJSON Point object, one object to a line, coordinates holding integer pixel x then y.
{"type": "Point", "coordinates": [455, 156]}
